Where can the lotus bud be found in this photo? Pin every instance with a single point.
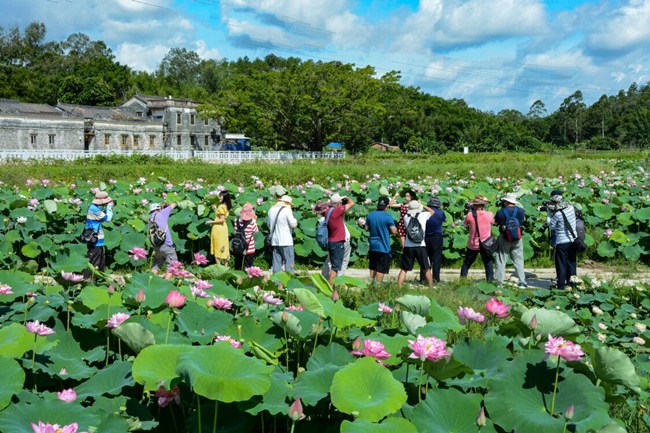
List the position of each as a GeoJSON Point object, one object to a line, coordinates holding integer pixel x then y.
{"type": "Point", "coordinates": [285, 317]}
{"type": "Point", "coordinates": [111, 289]}
{"type": "Point", "coordinates": [533, 322]}
{"type": "Point", "coordinates": [568, 415]}
{"type": "Point", "coordinates": [481, 420]}
{"type": "Point", "coordinates": [335, 295]}
{"type": "Point", "coordinates": [357, 344]}
{"type": "Point", "coordinates": [295, 410]}
{"type": "Point", "coordinates": [140, 297]}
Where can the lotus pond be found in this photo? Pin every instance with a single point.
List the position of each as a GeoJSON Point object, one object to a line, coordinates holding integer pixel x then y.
{"type": "Point", "coordinates": [239, 351]}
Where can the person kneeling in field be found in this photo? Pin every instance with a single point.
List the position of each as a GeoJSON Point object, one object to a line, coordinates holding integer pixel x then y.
{"type": "Point", "coordinates": [165, 253]}
{"type": "Point", "coordinates": [380, 226]}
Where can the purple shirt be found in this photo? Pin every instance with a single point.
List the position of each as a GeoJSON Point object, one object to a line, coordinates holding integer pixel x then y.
{"type": "Point", "coordinates": [162, 219]}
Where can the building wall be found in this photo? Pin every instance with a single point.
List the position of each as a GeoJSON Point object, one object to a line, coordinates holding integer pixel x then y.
{"type": "Point", "coordinates": [185, 125]}
{"type": "Point", "coordinates": [113, 135]}
{"type": "Point", "coordinates": [31, 132]}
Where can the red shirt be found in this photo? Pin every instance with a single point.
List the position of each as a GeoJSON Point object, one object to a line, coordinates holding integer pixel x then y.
{"type": "Point", "coordinates": [336, 225]}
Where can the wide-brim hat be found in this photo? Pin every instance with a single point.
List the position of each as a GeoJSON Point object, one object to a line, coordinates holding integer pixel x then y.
{"type": "Point", "coordinates": [414, 207]}
{"type": "Point", "coordinates": [336, 198]}
{"type": "Point", "coordinates": [286, 200]}
{"type": "Point", "coordinates": [510, 198]}
{"type": "Point", "coordinates": [434, 202]}
{"type": "Point", "coordinates": [101, 197]}
{"type": "Point", "coordinates": [277, 190]}
{"type": "Point", "coordinates": [247, 212]}
{"type": "Point", "coordinates": [479, 200]}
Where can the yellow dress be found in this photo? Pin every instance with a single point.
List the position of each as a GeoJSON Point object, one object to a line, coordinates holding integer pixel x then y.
{"type": "Point", "coordinates": [219, 246]}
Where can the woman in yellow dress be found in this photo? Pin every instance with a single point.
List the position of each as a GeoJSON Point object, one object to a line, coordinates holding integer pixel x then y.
{"type": "Point", "coordinates": [219, 246]}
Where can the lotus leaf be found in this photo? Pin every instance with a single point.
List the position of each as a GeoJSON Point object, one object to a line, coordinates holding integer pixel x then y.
{"type": "Point", "coordinates": [612, 365]}
{"type": "Point", "coordinates": [367, 390]}
{"type": "Point", "coordinates": [156, 365]}
{"type": "Point", "coordinates": [551, 322]}
{"type": "Point", "coordinates": [448, 410]}
{"type": "Point", "coordinates": [13, 381]}
{"type": "Point", "coordinates": [18, 417]}
{"type": "Point", "coordinates": [415, 304]}
{"type": "Point", "coordinates": [109, 380]}
{"type": "Point", "coordinates": [389, 425]}
{"type": "Point", "coordinates": [135, 336]}
{"type": "Point", "coordinates": [309, 301]}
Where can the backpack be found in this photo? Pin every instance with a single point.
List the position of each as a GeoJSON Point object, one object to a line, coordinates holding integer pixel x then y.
{"type": "Point", "coordinates": [512, 227]}
{"type": "Point", "coordinates": [322, 232]}
{"type": "Point", "coordinates": [239, 243]}
{"type": "Point", "coordinates": [156, 233]}
{"type": "Point", "coordinates": [414, 230]}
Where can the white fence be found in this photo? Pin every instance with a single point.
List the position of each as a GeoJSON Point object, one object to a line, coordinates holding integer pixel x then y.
{"type": "Point", "coordinates": [205, 155]}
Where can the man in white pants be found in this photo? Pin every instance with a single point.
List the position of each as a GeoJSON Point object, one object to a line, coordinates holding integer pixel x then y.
{"type": "Point", "coordinates": [508, 246]}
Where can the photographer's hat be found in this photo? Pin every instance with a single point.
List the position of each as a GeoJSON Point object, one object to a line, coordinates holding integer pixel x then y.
{"type": "Point", "coordinates": [510, 198]}
{"type": "Point", "coordinates": [556, 195]}
{"type": "Point", "coordinates": [434, 202]}
{"type": "Point", "coordinates": [414, 207]}
{"type": "Point", "coordinates": [154, 207]}
{"type": "Point", "coordinates": [479, 200]}
{"type": "Point", "coordinates": [101, 198]}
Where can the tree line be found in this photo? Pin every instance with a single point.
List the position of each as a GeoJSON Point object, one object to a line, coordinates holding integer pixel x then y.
{"type": "Point", "coordinates": [289, 103]}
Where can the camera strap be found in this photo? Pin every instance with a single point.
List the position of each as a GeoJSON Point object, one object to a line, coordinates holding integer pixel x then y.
{"type": "Point", "coordinates": [567, 225]}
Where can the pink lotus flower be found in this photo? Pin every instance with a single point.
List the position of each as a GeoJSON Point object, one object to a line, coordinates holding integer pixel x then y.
{"type": "Point", "coordinates": [140, 297]}
{"type": "Point", "coordinates": [54, 428]}
{"type": "Point", "coordinates": [384, 308]}
{"type": "Point", "coordinates": [38, 328]}
{"type": "Point", "coordinates": [167, 396]}
{"type": "Point", "coordinates": [467, 313]}
{"type": "Point", "coordinates": [254, 271]}
{"type": "Point", "coordinates": [430, 348]}
{"type": "Point", "coordinates": [271, 300]}
{"type": "Point", "coordinates": [116, 320]}
{"type": "Point", "coordinates": [138, 253]}
{"type": "Point", "coordinates": [220, 303]}
{"type": "Point", "coordinates": [496, 307]}
{"type": "Point", "coordinates": [73, 278]}
{"type": "Point", "coordinates": [202, 284]}
{"type": "Point", "coordinates": [198, 293]}
{"type": "Point", "coordinates": [175, 299]}
{"type": "Point", "coordinates": [294, 308]}
{"type": "Point", "coordinates": [67, 395]}
{"type": "Point", "coordinates": [5, 289]}
{"type": "Point", "coordinates": [296, 411]}
{"type": "Point", "coordinates": [200, 259]}
{"type": "Point", "coordinates": [234, 343]}
{"type": "Point", "coordinates": [63, 372]}
{"type": "Point", "coordinates": [373, 349]}
{"type": "Point", "coordinates": [567, 350]}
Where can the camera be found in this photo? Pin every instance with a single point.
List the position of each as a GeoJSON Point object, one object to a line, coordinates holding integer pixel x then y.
{"type": "Point", "coordinates": [114, 202]}
{"type": "Point", "coordinates": [543, 228]}
{"type": "Point", "coordinates": [469, 206]}
{"type": "Point", "coordinates": [544, 206]}
{"type": "Point", "coordinates": [344, 200]}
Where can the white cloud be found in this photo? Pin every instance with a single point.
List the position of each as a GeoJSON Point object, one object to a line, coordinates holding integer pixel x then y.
{"type": "Point", "coordinates": [618, 76]}
{"type": "Point", "coordinates": [201, 48]}
{"type": "Point", "coordinates": [141, 57]}
{"type": "Point", "coordinates": [622, 29]}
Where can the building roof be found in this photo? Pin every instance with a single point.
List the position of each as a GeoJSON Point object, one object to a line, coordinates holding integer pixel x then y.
{"type": "Point", "coordinates": [92, 112]}
{"type": "Point", "coordinates": [11, 106]}
{"type": "Point", "coordinates": [162, 101]}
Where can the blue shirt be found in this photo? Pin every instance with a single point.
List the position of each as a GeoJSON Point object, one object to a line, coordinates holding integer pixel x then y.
{"type": "Point", "coordinates": [94, 219]}
{"type": "Point", "coordinates": [434, 223]}
{"type": "Point", "coordinates": [379, 223]}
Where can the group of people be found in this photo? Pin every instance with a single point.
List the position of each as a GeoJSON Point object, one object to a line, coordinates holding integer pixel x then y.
{"type": "Point", "coordinates": [419, 228]}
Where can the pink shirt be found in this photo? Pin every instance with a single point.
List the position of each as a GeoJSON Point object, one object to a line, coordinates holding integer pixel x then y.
{"type": "Point", "coordinates": [485, 219]}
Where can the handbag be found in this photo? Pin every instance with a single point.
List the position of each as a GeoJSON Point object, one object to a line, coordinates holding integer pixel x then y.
{"type": "Point", "coordinates": [490, 245]}
{"type": "Point", "coordinates": [578, 243]}
{"type": "Point", "coordinates": [268, 239]}
{"type": "Point", "coordinates": [89, 236]}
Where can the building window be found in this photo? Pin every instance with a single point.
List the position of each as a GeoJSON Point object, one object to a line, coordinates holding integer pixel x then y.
{"type": "Point", "coordinates": [139, 113]}
{"type": "Point", "coordinates": [136, 140]}
{"type": "Point", "coordinates": [206, 140]}
{"type": "Point", "coordinates": [32, 138]}
{"type": "Point", "coordinates": [124, 140]}
{"type": "Point", "coordinates": [179, 119]}
{"type": "Point", "coordinates": [107, 139]}
{"type": "Point", "coordinates": [152, 141]}
{"type": "Point", "coordinates": [179, 142]}
{"type": "Point", "coordinates": [191, 119]}
{"type": "Point", "coordinates": [206, 122]}
{"type": "Point", "coordinates": [51, 138]}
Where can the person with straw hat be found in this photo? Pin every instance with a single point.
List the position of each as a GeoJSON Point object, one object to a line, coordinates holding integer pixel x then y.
{"type": "Point", "coordinates": [280, 221]}
{"type": "Point", "coordinates": [247, 224]}
{"type": "Point", "coordinates": [99, 211]}
{"type": "Point", "coordinates": [478, 220]}
{"type": "Point", "coordinates": [510, 220]}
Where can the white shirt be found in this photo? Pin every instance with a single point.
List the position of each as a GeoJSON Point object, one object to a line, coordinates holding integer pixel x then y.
{"type": "Point", "coordinates": [281, 237]}
{"type": "Point", "coordinates": [423, 216]}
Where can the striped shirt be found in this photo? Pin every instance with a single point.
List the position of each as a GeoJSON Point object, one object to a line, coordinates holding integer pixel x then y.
{"type": "Point", "coordinates": [556, 222]}
{"type": "Point", "coordinates": [249, 233]}
{"type": "Point", "coordinates": [94, 219]}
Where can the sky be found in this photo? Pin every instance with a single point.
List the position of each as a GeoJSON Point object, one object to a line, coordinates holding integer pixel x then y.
{"type": "Point", "coordinates": [494, 54]}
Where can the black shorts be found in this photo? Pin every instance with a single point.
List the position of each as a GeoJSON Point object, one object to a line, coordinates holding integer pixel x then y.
{"type": "Point", "coordinates": [379, 262]}
{"type": "Point", "coordinates": [412, 254]}
{"type": "Point", "coordinates": [337, 251]}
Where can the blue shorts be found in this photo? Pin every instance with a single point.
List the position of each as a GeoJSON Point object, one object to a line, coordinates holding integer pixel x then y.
{"type": "Point", "coordinates": [337, 251]}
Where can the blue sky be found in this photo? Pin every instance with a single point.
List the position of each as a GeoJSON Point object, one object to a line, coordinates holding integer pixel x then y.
{"type": "Point", "coordinates": [494, 54]}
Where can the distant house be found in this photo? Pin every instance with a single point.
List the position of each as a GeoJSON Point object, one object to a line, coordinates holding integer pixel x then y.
{"type": "Point", "coordinates": [383, 147]}
{"type": "Point", "coordinates": [334, 146]}
{"type": "Point", "coordinates": [142, 122]}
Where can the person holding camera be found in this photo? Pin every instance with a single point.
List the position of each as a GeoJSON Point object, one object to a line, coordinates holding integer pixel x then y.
{"type": "Point", "coordinates": [510, 220]}
{"type": "Point", "coordinates": [281, 221]}
{"type": "Point", "coordinates": [478, 220]}
{"type": "Point", "coordinates": [433, 236]}
{"type": "Point", "coordinates": [338, 234]}
{"type": "Point", "coordinates": [165, 253]}
{"type": "Point", "coordinates": [99, 211]}
{"type": "Point", "coordinates": [562, 221]}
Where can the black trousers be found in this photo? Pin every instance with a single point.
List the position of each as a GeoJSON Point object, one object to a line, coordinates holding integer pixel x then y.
{"type": "Point", "coordinates": [97, 258]}
{"type": "Point", "coordinates": [434, 251]}
{"type": "Point", "coordinates": [565, 263]}
{"type": "Point", "coordinates": [470, 257]}
{"type": "Point", "coordinates": [243, 261]}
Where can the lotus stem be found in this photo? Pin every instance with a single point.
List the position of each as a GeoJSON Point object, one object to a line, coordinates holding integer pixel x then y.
{"type": "Point", "coordinates": [171, 408]}
{"type": "Point", "coordinates": [108, 332]}
{"type": "Point", "coordinates": [119, 348]}
{"type": "Point", "coordinates": [169, 322]}
{"type": "Point", "coordinates": [25, 310]}
{"type": "Point", "coordinates": [34, 354]}
{"type": "Point", "coordinates": [214, 420]}
{"type": "Point", "coordinates": [286, 345]}
{"type": "Point", "coordinates": [557, 376]}
{"type": "Point", "coordinates": [293, 424]}
{"type": "Point", "coordinates": [420, 382]}
{"type": "Point", "coordinates": [198, 408]}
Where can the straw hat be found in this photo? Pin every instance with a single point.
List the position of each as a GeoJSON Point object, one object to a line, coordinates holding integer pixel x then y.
{"type": "Point", "coordinates": [286, 200]}
{"type": "Point", "coordinates": [101, 197]}
{"type": "Point", "coordinates": [247, 212]}
{"type": "Point", "coordinates": [479, 200]}
{"type": "Point", "coordinates": [414, 207]}
{"type": "Point", "coordinates": [510, 198]}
